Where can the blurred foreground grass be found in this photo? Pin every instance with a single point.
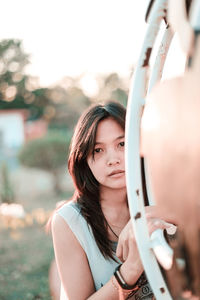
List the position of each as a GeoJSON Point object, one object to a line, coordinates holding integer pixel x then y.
{"type": "Point", "coordinates": [26, 252]}
{"type": "Point", "coordinates": [26, 255]}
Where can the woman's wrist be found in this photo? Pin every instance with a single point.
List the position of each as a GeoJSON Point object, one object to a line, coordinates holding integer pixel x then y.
{"type": "Point", "coordinates": [131, 272]}
{"type": "Point", "coordinates": [120, 291]}
{"type": "Point", "coordinates": [123, 284]}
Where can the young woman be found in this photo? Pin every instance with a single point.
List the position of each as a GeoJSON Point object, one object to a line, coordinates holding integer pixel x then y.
{"type": "Point", "coordinates": [86, 229]}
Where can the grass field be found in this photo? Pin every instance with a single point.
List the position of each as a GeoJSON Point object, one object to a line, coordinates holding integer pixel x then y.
{"type": "Point", "coordinates": [26, 252]}
{"type": "Point", "coordinates": [25, 258]}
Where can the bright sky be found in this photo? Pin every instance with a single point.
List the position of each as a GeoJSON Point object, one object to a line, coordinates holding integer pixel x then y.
{"type": "Point", "coordinates": [72, 37]}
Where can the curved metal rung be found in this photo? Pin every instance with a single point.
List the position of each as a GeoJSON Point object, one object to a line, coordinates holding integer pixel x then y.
{"type": "Point", "coordinates": [149, 7]}
{"type": "Point", "coordinates": [155, 77]}
{"type": "Point", "coordinates": [161, 249]}
{"type": "Point", "coordinates": [158, 66]}
{"type": "Point", "coordinates": [194, 15]}
{"type": "Point", "coordinates": [132, 155]}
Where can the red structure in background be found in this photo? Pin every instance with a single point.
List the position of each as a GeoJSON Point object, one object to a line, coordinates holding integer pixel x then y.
{"type": "Point", "coordinates": [35, 129]}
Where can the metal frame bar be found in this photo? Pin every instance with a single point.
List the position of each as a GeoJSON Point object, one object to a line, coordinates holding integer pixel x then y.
{"type": "Point", "coordinates": [132, 156]}
{"type": "Point", "coordinates": [155, 77]}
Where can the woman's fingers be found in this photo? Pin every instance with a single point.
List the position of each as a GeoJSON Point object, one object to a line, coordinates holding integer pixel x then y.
{"type": "Point", "coordinates": [127, 247]}
{"type": "Point", "coordinates": [119, 251]}
{"type": "Point", "coordinates": [154, 224]}
{"type": "Point", "coordinates": [125, 251]}
{"type": "Point", "coordinates": [126, 239]}
{"type": "Point", "coordinates": [122, 249]}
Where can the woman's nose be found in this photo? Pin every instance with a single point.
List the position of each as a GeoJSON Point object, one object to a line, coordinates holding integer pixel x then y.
{"type": "Point", "coordinates": [112, 161]}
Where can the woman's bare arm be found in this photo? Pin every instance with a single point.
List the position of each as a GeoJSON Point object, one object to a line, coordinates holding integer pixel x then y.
{"type": "Point", "coordinates": [71, 260]}
{"type": "Point", "coordinates": [75, 272]}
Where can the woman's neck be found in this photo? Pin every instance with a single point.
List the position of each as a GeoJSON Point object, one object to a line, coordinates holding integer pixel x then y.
{"type": "Point", "coordinates": [113, 197]}
{"type": "Point", "coordinates": [115, 209]}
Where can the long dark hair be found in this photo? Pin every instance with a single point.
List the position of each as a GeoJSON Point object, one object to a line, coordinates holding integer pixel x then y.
{"type": "Point", "coordinates": [86, 186]}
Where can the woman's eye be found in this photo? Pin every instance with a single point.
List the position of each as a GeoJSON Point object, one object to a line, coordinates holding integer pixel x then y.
{"type": "Point", "coordinates": [97, 150]}
{"type": "Point", "coordinates": [121, 144]}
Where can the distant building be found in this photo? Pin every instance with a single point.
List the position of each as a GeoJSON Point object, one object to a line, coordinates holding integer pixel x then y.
{"type": "Point", "coordinates": [15, 130]}
{"type": "Point", "coordinates": [12, 128]}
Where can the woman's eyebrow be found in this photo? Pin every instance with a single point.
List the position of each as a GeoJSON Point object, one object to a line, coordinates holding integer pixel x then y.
{"type": "Point", "coordinates": [120, 137]}
{"type": "Point", "coordinates": [117, 138]}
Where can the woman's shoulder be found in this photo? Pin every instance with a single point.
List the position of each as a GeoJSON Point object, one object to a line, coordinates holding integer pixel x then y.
{"type": "Point", "coordinates": [69, 214]}
{"type": "Point", "coordinates": [69, 206]}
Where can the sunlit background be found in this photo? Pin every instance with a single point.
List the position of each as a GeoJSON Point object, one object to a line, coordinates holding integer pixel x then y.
{"type": "Point", "coordinates": [56, 58]}
{"type": "Point", "coordinates": [70, 38]}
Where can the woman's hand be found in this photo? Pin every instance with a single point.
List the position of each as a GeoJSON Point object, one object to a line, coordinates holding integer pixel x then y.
{"type": "Point", "coordinates": [127, 235]}
{"type": "Point", "coordinates": [127, 251]}
{"type": "Point", "coordinates": [125, 238]}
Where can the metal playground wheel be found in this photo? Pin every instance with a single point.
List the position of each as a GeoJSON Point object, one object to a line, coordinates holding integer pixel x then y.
{"type": "Point", "coordinates": [157, 255]}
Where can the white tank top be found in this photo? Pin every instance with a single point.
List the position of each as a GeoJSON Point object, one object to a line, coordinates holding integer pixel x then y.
{"type": "Point", "coordinates": [101, 268]}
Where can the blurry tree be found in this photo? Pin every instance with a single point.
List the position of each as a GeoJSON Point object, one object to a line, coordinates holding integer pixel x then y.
{"type": "Point", "coordinates": [37, 100]}
{"type": "Point", "coordinates": [48, 153]}
{"type": "Point", "coordinates": [60, 105]}
{"type": "Point", "coordinates": [18, 90]}
{"type": "Point", "coordinates": [120, 95]}
{"type": "Point", "coordinates": [112, 81]}
{"type": "Point", "coordinates": [6, 192]}
{"type": "Point", "coordinates": [113, 87]}
{"type": "Point", "coordinates": [12, 63]}
{"type": "Point", "coordinates": [70, 103]}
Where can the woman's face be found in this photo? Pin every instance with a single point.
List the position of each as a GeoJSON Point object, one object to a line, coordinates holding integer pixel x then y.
{"type": "Point", "coordinates": [106, 161]}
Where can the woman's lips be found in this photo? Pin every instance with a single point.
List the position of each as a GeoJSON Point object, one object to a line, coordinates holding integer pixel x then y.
{"type": "Point", "coordinates": [116, 173]}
